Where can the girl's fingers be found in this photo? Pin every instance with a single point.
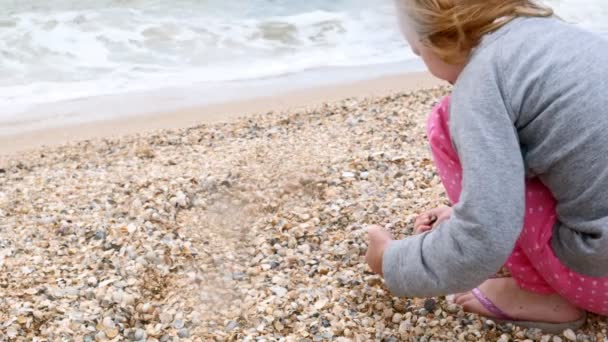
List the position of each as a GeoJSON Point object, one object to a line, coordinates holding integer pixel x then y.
{"type": "Point", "coordinates": [422, 228]}
{"type": "Point", "coordinates": [422, 223]}
{"type": "Point", "coordinates": [423, 219]}
{"type": "Point", "coordinates": [429, 220]}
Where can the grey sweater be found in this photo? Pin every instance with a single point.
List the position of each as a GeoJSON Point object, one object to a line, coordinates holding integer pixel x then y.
{"type": "Point", "coordinates": [537, 85]}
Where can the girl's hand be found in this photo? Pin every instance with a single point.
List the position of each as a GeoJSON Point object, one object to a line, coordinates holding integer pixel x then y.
{"type": "Point", "coordinates": [431, 219]}
{"type": "Point", "coordinates": [379, 239]}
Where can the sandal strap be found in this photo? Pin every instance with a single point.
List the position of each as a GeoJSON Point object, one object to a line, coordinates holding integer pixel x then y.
{"type": "Point", "coordinates": [490, 306]}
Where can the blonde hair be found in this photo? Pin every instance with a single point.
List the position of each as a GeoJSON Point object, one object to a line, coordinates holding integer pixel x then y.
{"type": "Point", "coordinates": [453, 28]}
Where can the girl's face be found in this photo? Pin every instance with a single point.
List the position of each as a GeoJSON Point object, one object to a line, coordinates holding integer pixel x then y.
{"type": "Point", "coordinates": [436, 66]}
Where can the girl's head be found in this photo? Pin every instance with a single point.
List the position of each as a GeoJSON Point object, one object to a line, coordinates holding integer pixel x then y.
{"type": "Point", "coordinates": [444, 32]}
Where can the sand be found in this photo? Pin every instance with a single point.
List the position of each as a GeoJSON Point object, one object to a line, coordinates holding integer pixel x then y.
{"type": "Point", "coordinates": [250, 229]}
{"type": "Point", "coordinates": [215, 113]}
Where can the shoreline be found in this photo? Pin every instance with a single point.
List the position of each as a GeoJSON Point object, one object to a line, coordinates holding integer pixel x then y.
{"type": "Point", "coordinates": [32, 115]}
{"type": "Point", "coordinates": [146, 121]}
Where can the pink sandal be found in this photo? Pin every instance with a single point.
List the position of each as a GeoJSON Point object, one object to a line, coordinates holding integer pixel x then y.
{"type": "Point", "coordinates": [502, 317]}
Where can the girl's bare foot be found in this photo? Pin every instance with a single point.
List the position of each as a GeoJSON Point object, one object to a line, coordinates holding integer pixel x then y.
{"type": "Point", "coordinates": [431, 219]}
{"type": "Point", "coordinates": [520, 304]}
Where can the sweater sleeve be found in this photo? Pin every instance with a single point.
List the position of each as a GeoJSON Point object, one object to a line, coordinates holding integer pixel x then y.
{"type": "Point", "coordinates": [476, 241]}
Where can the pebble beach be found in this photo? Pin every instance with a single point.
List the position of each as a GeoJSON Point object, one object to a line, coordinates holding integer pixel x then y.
{"type": "Point", "coordinates": [251, 230]}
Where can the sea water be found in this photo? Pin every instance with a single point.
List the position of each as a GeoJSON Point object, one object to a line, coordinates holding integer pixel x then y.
{"type": "Point", "coordinates": [58, 50]}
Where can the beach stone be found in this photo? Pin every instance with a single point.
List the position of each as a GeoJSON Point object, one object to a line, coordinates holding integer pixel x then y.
{"type": "Point", "coordinates": [397, 318]}
{"type": "Point", "coordinates": [11, 332]}
{"type": "Point", "coordinates": [534, 334]}
{"type": "Point", "coordinates": [166, 338]}
{"type": "Point", "coordinates": [100, 336]}
{"type": "Point", "coordinates": [348, 175]}
{"type": "Point", "coordinates": [452, 308]}
{"type": "Point", "coordinates": [183, 333]}
{"type": "Point", "coordinates": [139, 335]}
{"type": "Point", "coordinates": [231, 326]}
{"type": "Point", "coordinates": [429, 304]}
{"type": "Point", "coordinates": [100, 235]}
{"type": "Point", "coordinates": [108, 323]}
{"type": "Point", "coordinates": [404, 327]}
{"type": "Point", "coordinates": [569, 335]}
{"type": "Point", "coordinates": [504, 338]}
{"type": "Point", "coordinates": [111, 333]}
{"type": "Point", "coordinates": [166, 317]}
{"type": "Point", "coordinates": [92, 281]}
{"type": "Point", "coordinates": [178, 324]}
{"type": "Point", "coordinates": [147, 308]}
{"type": "Point", "coordinates": [238, 276]}
{"type": "Point", "coordinates": [279, 290]}
{"type": "Point", "coordinates": [131, 228]}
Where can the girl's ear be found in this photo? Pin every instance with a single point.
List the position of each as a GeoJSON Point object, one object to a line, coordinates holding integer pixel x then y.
{"type": "Point", "coordinates": [416, 51]}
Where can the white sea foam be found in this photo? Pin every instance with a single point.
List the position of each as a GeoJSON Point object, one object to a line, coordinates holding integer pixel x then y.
{"type": "Point", "coordinates": [67, 49]}
{"type": "Point", "coordinates": [62, 52]}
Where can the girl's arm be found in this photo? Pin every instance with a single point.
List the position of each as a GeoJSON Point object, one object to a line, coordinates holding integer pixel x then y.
{"type": "Point", "coordinates": [476, 241]}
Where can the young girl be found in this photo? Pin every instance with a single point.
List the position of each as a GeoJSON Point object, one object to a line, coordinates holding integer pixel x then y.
{"type": "Point", "coordinates": [522, 150]}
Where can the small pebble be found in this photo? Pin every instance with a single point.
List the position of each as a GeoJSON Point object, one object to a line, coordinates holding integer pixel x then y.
{"type": "Point", "coordinates": [404, 327]}
{"type": "Point", "coordinates": [111, 333]}
{"type": "Point", "coordinates": [430, 304]}
{"type": "Point", "coordinates": [231, 326]}
{"type": "Point", "coordinates": [279, 291]}
{"type": "Point", "coordinates": [91, 281]}
{"type": "Point", "coordinates": [452, 308]}
{"type": "Point", "coordinates": [166, 318]}
{"type": "Point", "coordinates": [11, 332]}
{"type": "Point", "coordinates": [504, 338]}
{"type": "Point", "coordinates": [534, 334]}
{"type": "Point", "coordinates": [178, 324]}
{"type": "Point", "coordinates": [397, 318]}
{"type": "Point", "coordinates": [100, 336]}
{"type": "Point", "coordinates": [569, 335]}
{"type": "Point", "coordinates": [108, 323]}
{"type": "Point", "coordinates": [348, 175]}
{"type": "Point", "coordinates": [139, 335]}
{"type": "Point", "coordinates": [183, 333]}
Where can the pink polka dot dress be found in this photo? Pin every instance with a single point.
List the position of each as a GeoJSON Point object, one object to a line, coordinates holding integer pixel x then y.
{"type": "Point", "coordinates": [532, 264]}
